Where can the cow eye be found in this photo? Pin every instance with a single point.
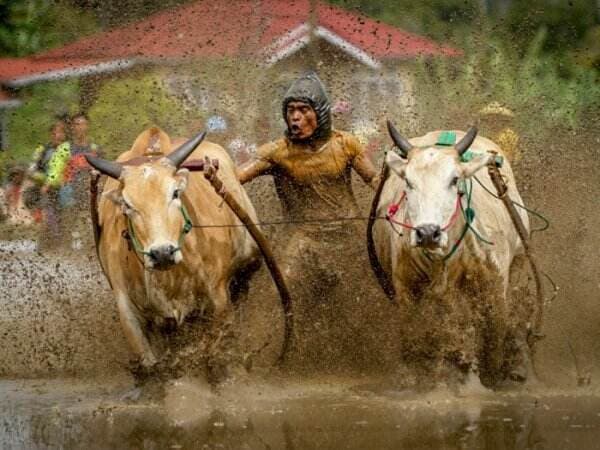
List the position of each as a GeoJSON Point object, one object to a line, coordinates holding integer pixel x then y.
{"type": "Point", "coordinates": [409, 185]}
{"type": "Point", "coordinates": [176, 194]}
{"type": "Point", "coordinates": [454, 182]}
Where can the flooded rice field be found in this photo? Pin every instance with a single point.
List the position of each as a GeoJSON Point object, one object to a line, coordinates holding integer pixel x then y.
{"type": "Point", "coordinates": [66, 380]}
{"type": "Point", "coordinates": [283, 414]}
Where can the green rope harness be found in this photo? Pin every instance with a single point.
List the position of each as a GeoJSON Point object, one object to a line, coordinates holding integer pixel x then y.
{"type": "Point", "coordinates": [447, 139]}
{"type": "Point", "coordinates": [187, 227]}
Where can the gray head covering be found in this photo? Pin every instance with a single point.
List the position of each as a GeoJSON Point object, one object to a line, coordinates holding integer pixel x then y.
{"type": "Point", "coordinates": [309, 89]}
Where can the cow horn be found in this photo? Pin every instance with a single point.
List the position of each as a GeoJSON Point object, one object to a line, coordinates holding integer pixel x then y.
{"type": "Point", "coordinates": [178, 156]}
{"type": "Point", "coordinates": [112, 169]}
{"type": "Point", "coordinates": [464, 144]}
{"type": "Point", "coordinates": [399, 141]}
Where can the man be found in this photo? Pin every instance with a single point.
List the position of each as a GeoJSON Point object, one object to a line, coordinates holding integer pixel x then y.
{"type": "Point", "coordinates": [496, 122]}
{"type": "Point", "coordinates": [311, 167]}
{"type": "Point", "coordinates": [45, 205]}
{"type": "Point", "coordinates": [43, 153]}
{"type": "Point", "coordinates": [68, 160]}
{"type": "Point", "coordinates": [66, 174]}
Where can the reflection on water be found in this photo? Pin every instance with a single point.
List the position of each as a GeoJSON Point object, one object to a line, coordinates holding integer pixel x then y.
{"type": "Point", "coordinates": [59, 414]}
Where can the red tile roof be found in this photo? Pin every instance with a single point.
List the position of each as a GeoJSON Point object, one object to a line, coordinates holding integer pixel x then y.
{"type": "Point", "coordinates": [205, 28]}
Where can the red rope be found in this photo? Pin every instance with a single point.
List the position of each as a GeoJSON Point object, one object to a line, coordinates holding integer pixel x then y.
{"type": "Point", "coordinates": [454, 215]}
{"type": "Point", "coordinates": [394, 207]}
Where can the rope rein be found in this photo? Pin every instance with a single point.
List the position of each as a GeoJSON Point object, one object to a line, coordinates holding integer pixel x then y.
{"type": "Point", "coordinates": [468, 214]}
{"type": "Point", "coordinates": [131, 237]}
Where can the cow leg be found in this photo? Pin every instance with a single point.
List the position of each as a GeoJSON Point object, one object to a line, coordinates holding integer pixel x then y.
{"type": "Point", "coordinates": [223, 356]}
{"type": "Point", "coordinates": [522, 368]}
{"type": "Point", "coordinates": [240, 283]}
{"type": "Point", "coordinates": [523, 371]}
{"type": "Point", "coordinates": [130, 321]}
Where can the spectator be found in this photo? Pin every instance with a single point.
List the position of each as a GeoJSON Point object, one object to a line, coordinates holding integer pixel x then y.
{"type": "Point", "coordinates": [496, 122]}
{"type": "Point", "coordinates": [16, 211]}
{"type": "Point", "coordinates": [43, 153]}
{"type": "Point", "coordinates": [66, 175]}
{"type": "Point", "coordinates": [40, 201]}
{"type": "Point", "coordinates": [67, 165]}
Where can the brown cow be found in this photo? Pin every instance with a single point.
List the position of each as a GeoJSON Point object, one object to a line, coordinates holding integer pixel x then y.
{"type": "Point", "coordinates": [167, 270]}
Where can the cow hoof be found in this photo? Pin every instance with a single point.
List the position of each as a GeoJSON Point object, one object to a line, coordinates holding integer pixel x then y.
{"type": "Point", "coordinates": [145, 370]}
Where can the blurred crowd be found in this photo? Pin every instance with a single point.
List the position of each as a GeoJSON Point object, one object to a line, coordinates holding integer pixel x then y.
{"type": "Point", "coordinates": [46, 192]}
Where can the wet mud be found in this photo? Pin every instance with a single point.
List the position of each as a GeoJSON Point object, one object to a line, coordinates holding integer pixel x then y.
{"type": "Point", "coordinates": [65, 364]}
{"type": "Point", "coordinates": [325, 414]}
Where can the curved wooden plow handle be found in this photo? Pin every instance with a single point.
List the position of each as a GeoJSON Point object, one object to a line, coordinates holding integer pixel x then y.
{"type": "Point", "coordinates": [382, 276]}
{"type": "Point", "coordinates": [210, 173]}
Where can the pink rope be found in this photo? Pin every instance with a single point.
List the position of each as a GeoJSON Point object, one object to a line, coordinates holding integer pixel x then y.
{"type": "Point", "coordinates": [394, 207]}
{"type": "Point", "coordinates": [454, 215]}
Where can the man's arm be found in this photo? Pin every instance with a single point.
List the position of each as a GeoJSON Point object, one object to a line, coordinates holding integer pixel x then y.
{"type": "Point", "coordinates": [362, 164]}
{"type": "Point", "coordinates": [252, 169]}
{"type": "Point", "coordinates": [35, 169]}
{"type": "Point", "coordinates": [260, 164]}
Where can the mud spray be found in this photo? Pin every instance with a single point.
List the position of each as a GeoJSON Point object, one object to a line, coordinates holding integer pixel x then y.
{"type": "Point", "coordinates": [362, 372]}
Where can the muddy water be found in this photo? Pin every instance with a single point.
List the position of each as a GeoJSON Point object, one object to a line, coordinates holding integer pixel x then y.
{"type": "Point", "coordinates": [58, 323]}
{"type": "Point", "coordinates": [329, 414]}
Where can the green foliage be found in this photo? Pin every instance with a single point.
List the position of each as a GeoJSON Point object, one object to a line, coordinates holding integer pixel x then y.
{"type": "Point", "coordinates": [588, 53]}
{"type": "Point", "coordinates": [29, 26]}
{"type": "Point", "coordinates": [439, 19]}
{"type": "Point", "coordinates": [29, 125]}
{"type": "Point", "coordinates": [117, 12]}
{"type": "Point", "coordinates": [567, 21]}
{"type": "Point", "coordinates": [127, 106]}
{"type": "Point", "coordinates": [534, 56]}
{"type": "Point", "coordinates": [515, 21]}
{"type": "Point", "coordinates": [536, 86]}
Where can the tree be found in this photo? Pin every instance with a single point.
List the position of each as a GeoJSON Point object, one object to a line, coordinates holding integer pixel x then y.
{"type": "Point", "coordinates": [30, 26]}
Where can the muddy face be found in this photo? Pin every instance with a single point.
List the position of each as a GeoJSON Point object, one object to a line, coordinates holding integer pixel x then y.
{"type": "Point", "coordinates": [301, 119]}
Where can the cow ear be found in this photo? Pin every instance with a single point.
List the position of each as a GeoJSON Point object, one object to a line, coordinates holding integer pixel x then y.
{"type": "Point", "coordinates": [480, 160]}
{"type": "Point", "coordinates": [181, 178]}
{"type": "Point", "coordinates": [396, 164]}
{"type": "Point", "coordinates": [114, 195]}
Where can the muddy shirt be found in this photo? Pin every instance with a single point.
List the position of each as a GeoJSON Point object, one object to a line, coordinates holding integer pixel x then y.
{"type": "Point", "coordinates": [313, 182]}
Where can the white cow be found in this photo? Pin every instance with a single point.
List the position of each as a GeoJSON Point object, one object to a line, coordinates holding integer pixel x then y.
{"type": "Point", "coordinates": [429, 251]}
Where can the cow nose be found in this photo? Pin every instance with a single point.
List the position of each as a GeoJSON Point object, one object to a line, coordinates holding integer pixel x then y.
{"type": "Point", "coordinates": [428, 235]}
{"type": "Point", "coordinates": [163, 255]}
